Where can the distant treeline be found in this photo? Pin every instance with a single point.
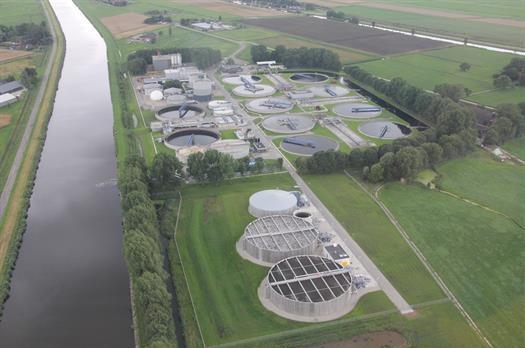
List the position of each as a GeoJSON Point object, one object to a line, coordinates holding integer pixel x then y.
{"type": "Point", "coordinates": [202, 57]}
{"type": "Point", "coordinates": [341, 16]}
{"type": "Point", "coordinates": [512, 74]}
{"type": "Point", "coordinates": [303, 57]}
{"type": "Point", "coordinates": [26, 33]}
{"type": "Point", "coordinates": [157, 19]}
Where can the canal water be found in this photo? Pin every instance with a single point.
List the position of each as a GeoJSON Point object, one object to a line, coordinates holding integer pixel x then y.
{"type": "Point", "coordinates": [70, 287]}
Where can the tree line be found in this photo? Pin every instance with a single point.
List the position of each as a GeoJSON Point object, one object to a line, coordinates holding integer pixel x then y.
{"type": "Point", "coordinates": [202, 57]}
{"type": "Point", "coordinates": [453, 135]}
{"type": "Point", "coordinates": [509, 123]}
{"type": "Point", "coordinates": [341, 16]}
{"type": "Point", "coordinates": [158, 18]}
{"type": "Point", "coordinates": [144, 258]}
{"type": "Point", "coordinates": [513, 74]}
{"type": "Point", "coordinates": [302, 57]}
{"type": "Point", "coordinates": [26, 33]}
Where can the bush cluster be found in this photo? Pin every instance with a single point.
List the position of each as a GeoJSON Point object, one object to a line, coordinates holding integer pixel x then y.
{"type": "Point", "coordinates": [303, 57]}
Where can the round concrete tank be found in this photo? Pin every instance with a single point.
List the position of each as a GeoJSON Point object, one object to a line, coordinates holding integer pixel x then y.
{"type": "Point", "coordinates": [202, 90]}
{"type": "Point", "coordinates": [273, 238]}
{"type": "Point", "coordinates": [308, 288]}
{"type": "Point", "coordinates": [272, 202]}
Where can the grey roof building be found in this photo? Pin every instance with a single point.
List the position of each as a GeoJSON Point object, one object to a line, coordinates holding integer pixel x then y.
{"type": "Point", "coordinates": [11, 87]}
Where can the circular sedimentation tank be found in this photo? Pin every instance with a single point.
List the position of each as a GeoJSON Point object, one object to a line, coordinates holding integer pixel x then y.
{"type": "Point", "coordinates": [308, 288]}
{"type": "Point", "coordinates": [176, 112]}
{"type": "Point", "coordinates": [191, 137]}
{"type": "Point", "coordinates": [288, 124]}
{"type": "Point", "coordinates": [356, 110]}
{"type": "Point", "coordinates": [240, 80]}
{"type": "Point", "coordinates": [272, 202]}
{"type": "Point", "coordinates": [269, 105]}
{"type": "Point", "coordinates": [329, 91]}
{"type": "Point", "coordinates": [254, 91]}
{"type": "Point", "coordinates": [384, 129]}
{"type": "Point", "coordinates": [307, 145]}
{"type": "Point", "coordinates": [309, 77]}
{"type": "Point", "coordinates": [273, 238]}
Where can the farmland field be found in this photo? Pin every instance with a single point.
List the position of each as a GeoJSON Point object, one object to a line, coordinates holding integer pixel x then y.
{"type": "Point", "coordinates": [478, 253]}
{"type": "Point", "coordinates": [427, 69]}
{"type": "Point", "coordinates": [13, 14]}
{"type": "Point", "coordinates": [347, 35]}
{"type": "Point", "coordinates": [7, 55]}
{"type": "Point", "coordinates": [460, 27]}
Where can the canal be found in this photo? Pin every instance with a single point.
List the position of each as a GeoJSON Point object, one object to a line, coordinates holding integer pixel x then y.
{"type": "Point", "coordinates": [70, 287]}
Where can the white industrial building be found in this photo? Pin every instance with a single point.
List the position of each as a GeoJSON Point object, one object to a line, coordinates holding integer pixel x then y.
{"type": "Point", "coordinates": [7, 98]}
{"type": "Point", "coordinates": [272, 202]}
{"type": "Point", "coordinates": [182, 74]}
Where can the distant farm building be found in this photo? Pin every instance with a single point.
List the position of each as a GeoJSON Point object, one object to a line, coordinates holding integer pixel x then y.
{"type": "Point", "coordinates": [11, 87]}
{"type": "Point", "coordinates": [7, 98]}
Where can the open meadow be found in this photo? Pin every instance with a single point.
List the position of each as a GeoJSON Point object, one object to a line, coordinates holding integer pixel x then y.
{"type": "Point", "coordinates": [516, 147]}
{"type": "Point", "coordinates": [430, 68]}
{"type": "Point", "coordinates": [478, 253]}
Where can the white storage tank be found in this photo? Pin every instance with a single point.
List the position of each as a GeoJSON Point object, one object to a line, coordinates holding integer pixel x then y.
{"type": "Point", "coordinates": [272, 202]}
{"type": "Point", "coordinates": [202, 90]}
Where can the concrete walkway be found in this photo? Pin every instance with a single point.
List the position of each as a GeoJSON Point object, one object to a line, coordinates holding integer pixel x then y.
{"type": "Point", "coordinates": [13, 172]}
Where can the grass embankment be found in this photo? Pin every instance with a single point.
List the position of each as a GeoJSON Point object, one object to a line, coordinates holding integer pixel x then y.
{"type": "Point", "coordinates": [428, 69]}
{"type": "Point", "coordinates": [14, 219]}
{"type": "Point", "coordinates": [479, 254]}
{"type": "Point", "coordinates": [29, 11]}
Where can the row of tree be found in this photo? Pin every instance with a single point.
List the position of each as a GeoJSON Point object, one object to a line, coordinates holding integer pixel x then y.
{"type": "Point", "coordinates": [512, 74]}
{"type": "Point", "coordinates": [302, 57]}
{"type": "Point", "coordinates": [202, 57]}
{"type": "Point", "coordinates": [26, 33]}
{"type": "Point", "coordinates": [159, 18]}
{"type": "Point", "coordinates": [402, 159]}
{"type": "Point", "coordinates": [144, 258]}
{"type": "Point", "coordinates": [509, 123]}
{"type": "Point", "coordinates": [211, 166]}
{"type": "Point", "coordinates": [447, 116]}
{"type": "Point", "coordinates": [341, 16]}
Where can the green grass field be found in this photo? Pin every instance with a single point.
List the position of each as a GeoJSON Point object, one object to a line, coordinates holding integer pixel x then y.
{"type": "Point", "coordinates": [22, 11]}
{"type": "Point", "coordinates": [428, 69]}
{"type": "Point", "coordinates": [478, 254]}
{"type": "Point", "coordinates": [180, 38]}
{"type": "Point", "coordinates": [481, 179]}
{"type": "Point", "coordinates": [516, 146]}
{"type": "Point", "coordinates": [223, 285]}
{"type": "Point", "coordinates": [500, 34]}
{"type": "Point", "coordinates": [371, 229]}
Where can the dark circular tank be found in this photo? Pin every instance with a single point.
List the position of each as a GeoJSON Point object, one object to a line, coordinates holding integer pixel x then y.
{"type": "Point", "coordinates": [302, 214]}
{"type": "Point", "coordinates": [308, 77]}
{"type": "Point", "coordinates": [175, 112]}
{"type": "Point", "coordinates": [384, 129]}
{"type": "Point", "coordinates": [191, 137]}
{"type": "Point", "coordinates": [307, 145]}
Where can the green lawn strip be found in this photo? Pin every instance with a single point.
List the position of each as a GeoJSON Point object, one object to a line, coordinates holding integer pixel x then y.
{"type": "Point", "coordinates": [371, 229]}
{"type": "Point", "coordinates": [478, 254]}
{"type": "Point", "coordinates": [516, 147]}
{"type": "Point", "coordinates": [228, 134]}
{"type": "Point", "coordinates": [479, 178]}
{"type": "Point", "coordinates": [499, 34]}
{"type": "Point", "coordinates": [325, 132]}
{"type": "Point", "coordinates": [496, 97]}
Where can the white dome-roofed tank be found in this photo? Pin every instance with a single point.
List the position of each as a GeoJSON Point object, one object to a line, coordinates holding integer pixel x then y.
{"type": "Point", "coordinates": [156, 95]}
{"type": "Point", "coordinates": [202, 89]}
{"type": "Point", "coordinates": [272, 202]}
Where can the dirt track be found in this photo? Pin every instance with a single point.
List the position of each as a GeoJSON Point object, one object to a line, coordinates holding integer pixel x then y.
{"type": "Point", "coordinates": [347, 35]}
{"type": "Point", "coordinates": [5, 120]}
{"type": "Point", "coordinates": [6, 55]}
